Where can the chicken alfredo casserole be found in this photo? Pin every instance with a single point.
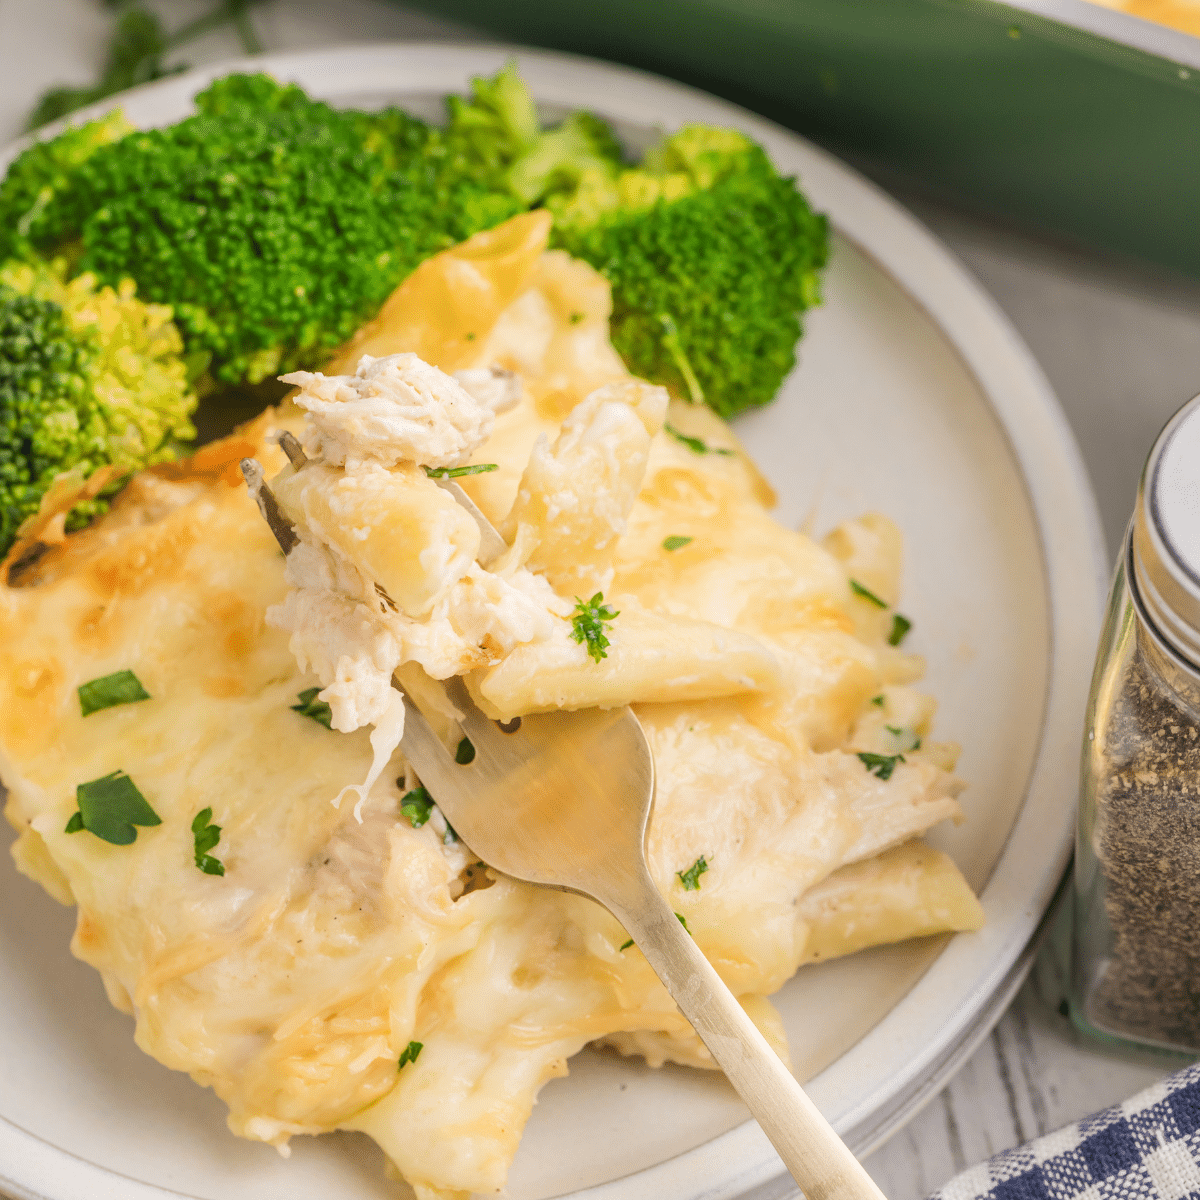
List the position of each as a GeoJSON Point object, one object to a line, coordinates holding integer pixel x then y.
{"type": "Point", "coordinates": [260, 879]}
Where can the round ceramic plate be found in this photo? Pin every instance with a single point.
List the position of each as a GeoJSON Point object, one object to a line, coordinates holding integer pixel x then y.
{"type": "Point", "coordinates": [913, 396]}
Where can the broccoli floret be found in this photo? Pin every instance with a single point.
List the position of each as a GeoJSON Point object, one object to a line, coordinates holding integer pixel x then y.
{"type": "Point", "coordinates": [712, 257]}
{"type": "Point", "coordinates": [711, 254]}
{"type": "Point", "coordinates": [498, 124]}
{"type": "Point", "coordinates": [495, 135]}
{"type": "Point", "coordinates": [88, 377]}
{"type": "Point", "coordinates": [558, 160]}
{"type": "Point", "coordinates": [273, 224]}
{"type": "Point", "coordinates": [44, 171]}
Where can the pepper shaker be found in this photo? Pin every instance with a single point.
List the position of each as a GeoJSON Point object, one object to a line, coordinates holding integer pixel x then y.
{"type": "Point", "coordinates": [1136, 968]}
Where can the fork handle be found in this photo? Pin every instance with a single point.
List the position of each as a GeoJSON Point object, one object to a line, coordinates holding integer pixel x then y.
{"type": "Point", "coordinates": [817, 1158]}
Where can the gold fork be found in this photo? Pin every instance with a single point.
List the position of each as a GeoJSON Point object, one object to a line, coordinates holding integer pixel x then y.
{"type": "Point", "coordinates": [563, 800]}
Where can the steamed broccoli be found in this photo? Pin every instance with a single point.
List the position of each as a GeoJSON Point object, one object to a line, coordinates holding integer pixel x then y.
{"type": "Point", "coordinates": [496, 136]}
{"type": "Point", "coordinates": [38, 177]}
{"type": "Point", "coordinates": [273, 224]}
{"type": "Point", "coordinates": [561, 157]}
{"type": "Point", "coordinates": [712, 257]}
{"type": "Point", "coordinates": [494, 127]}
{"type": "Point", "coordinates": [88, 377]}
{"type": "Point", "coordinates": [711, 254]}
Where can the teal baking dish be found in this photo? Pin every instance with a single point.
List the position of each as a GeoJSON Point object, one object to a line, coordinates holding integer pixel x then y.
{"type": "Point", "coordinates": [1059, 115]}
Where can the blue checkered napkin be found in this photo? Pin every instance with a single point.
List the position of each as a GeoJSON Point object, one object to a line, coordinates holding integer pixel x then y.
{"type": "Point", "coordinates": [1145, 1149]}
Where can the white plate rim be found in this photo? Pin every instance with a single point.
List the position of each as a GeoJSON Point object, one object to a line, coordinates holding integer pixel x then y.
{"type": "Point", "coordinates": [909, 1048]}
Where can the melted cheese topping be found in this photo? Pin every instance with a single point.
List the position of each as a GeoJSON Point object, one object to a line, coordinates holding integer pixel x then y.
{"type": "Point", "coordinates": [292, 984]}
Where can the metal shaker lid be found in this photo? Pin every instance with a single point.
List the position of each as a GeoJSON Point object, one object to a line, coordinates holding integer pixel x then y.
{"type": "Point", "coordinates": [1166, 533]}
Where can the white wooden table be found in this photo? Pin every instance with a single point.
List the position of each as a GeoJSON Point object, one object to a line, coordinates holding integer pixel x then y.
{"type": "Point", "coordinates": [1121, 345]}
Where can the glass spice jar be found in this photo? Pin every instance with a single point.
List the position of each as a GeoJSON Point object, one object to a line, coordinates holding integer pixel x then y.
{"type": "Point", "coordinates": [1136, 970]}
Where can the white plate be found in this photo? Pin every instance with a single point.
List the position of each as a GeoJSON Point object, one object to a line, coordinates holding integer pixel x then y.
{"type": "Point", "coordinates": [914, 396]}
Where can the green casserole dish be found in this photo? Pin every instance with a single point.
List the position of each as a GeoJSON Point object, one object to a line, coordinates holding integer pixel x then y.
{"type": "Point", "coordinates": [1058, 115]}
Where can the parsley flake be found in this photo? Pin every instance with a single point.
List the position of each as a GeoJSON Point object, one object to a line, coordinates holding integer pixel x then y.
{"type": "Point", "coordinates": [625, 945]}
{"type": "Point", "coordinates": [676, 542]}
{"type": "Point", "coordinates": [122, 687]}
{"type": "Point", "coordinates": [591, 622]}
{"type": "Point", "coordinates": [416, 806]}
{"type": "Point", "coordinates": [683, 922]}
{"type": "Point", "coordinates": [866, 593]}
{"type": "Point", "coordinates": [695, 444]}
{"type": "Point", "coordinates": [900, 627]}
{"type": "Point", "coordinates": [310, 706]}
{"type": "Point", "coordinates": [459, 472]}
{"type": "Point", "coordinates": [877, 700]}
{"type": "Point", "coordinates": [576, 317]}
{"type": "Point", "coordinates": [894, 729]}
{"type": "Point", "coordinates": [465, 753]}
{"type": "Point", "coordinates": [411, 1051]}
{"type": "Point", "coordinates": [206, 835]}
{"type": "Point", "coordinates": [691, 877]}
{"type": "Point", "coordinates": [881, 764]}
{"type": "Point", "coordinates": [110, 807]}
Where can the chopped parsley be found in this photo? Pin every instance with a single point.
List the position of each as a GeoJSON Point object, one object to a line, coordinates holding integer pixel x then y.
{"type": "Point", "coordinates": [310, 706]}
{"type": "Point", "coordinates": [206, 836]}
{"type": "Point", "coordinates": [591, 622]}
{"type": "Point", "coordinates": [900, 627]}
{"type": "Point", "coordinates": [695, 444]}
{"type": "Point", "coordinates": [898, 732]}
{"type": "Point", "coordinates": [683, 922]}
{"type": "Point", "coordinates": [676, 542]}
{"type": "Point", "coordinates": [878, 700]}
{"type": "Point", "coordinates": [411, 1051]}
{"type": "Point", "coordinates": [122, 687]}
{"type": "Point", "coordinates": [866, 593]}
{"type": "Point", "coordinates": [458, 472]}
{"type": "Point", "coordinates": [691, 877]}
{"type": "Point", "coordinates": [576, 317]}
{"type": "Point", "coordinates": [110, 807]}
{"type": "Point", "coordinates": [465, 753]}
{"type": "Point", "coordinates": [416, 806]}
{"type": "Point", "coordinates": [881, 764]}
{"type": "Point", "coordinates": [625, 945]}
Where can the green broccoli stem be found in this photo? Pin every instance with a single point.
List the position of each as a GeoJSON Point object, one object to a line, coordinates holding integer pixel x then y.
{"type": "Point", "coordinates": [670, 341]}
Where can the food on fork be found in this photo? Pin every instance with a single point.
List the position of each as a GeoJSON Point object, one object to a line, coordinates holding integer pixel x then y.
{"type": "Point", "coordinates": [345, 965]}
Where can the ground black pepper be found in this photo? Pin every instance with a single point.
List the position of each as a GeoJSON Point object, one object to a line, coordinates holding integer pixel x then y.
{"type": "Point", "coordinates": [1147, 844]}
{"type": "Point", "coordinates": [1136, 972]}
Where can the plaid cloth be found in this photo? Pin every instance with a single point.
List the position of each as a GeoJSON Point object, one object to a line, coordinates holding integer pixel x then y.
{"type": "Point", "coordinates": [1145, 1149]}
